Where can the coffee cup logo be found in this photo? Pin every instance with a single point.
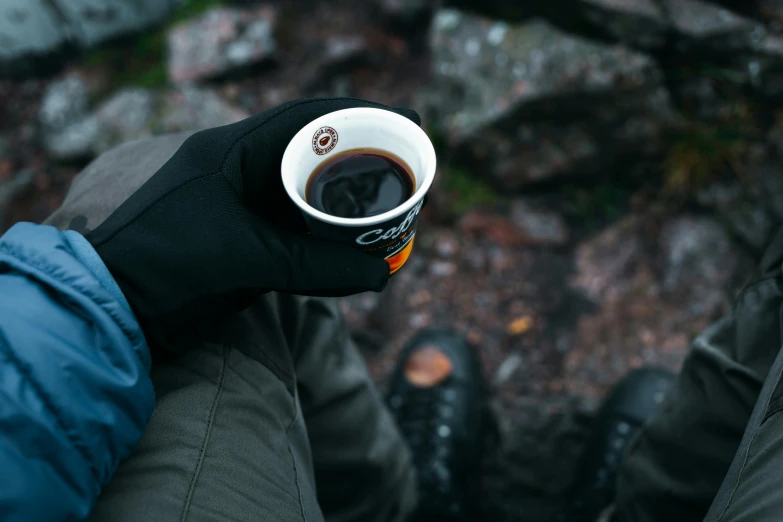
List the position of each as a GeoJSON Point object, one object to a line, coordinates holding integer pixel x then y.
{"type": "Point", "coordinates": [324, 140]}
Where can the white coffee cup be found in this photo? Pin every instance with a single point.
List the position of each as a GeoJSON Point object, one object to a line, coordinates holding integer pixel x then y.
{"type": "Point", "coordinates": [388, 235]}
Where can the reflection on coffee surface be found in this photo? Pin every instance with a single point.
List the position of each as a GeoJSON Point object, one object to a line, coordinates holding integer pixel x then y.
{"type": "Point", "coordinates": [360, 183]}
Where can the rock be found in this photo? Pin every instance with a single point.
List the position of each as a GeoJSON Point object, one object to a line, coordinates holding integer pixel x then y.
{"type": "Point", "coordinates": [699, 262]}
{"type": "Point", "coordinates": [67, 133]}
{"type": "Point", "coordinates": [222, 41]}
{"type": "Point", "coordinates": [36, 34]}
{"type": "Point", "coordinates": [419, 321]}
{"type": "Point", "coordinates": [640, 23]}
{"type": "Point", "coordinates": [652, 24]}
{"type": "Point", "coordinates": [76, 141]}
{"type": "Point", "coordinates": [64, 102]}
{"type": "Point", "coordinates": [342, 51]}
{"type": "Point", "coordinates": [408, 12]}
{"type": "Point", "coordinates": [740, 47]}
{"type": "Point", "coordinates": [605, 263]}
{"type": "Point", "coordinates": [191, 108]}
{"type": "Point", "coordinates": [514, 99]}
{"type": "Point", "coordinates": [446, 246]}
{"type": "Point", "coordinates": [494, 228]}
{"type": "Point", "coordinates": [340, 48]}
{"type": "Point", "coordinates": [539, 227]}
{"type": "Point", "coordinates": [96, 21]}
{"type": "Point", "coordinates": [440, 268]}
{"type": "Point", "coordinates": [771, 12]}
{"type": "Point", "coordinates": [31, 34]}
{"type": "Point", "coordinates": [135, 113]}
{"type": "Point", "coordinates": [512, 66]}
{"type": "Point", "coordinates": [526, 226]}
{"type": "Point", "coordinates": [654, 287]}
{"type": "Point", "coordinates": [743, 42]}
{"type": "Point", "coordinates": [335, 56]}
{"type": "Point", "coordinates": [127, 115]}
{"type": "Point", "coordinates": [507, 368]}
{"type": "Point", "coordinates": [711, 24]}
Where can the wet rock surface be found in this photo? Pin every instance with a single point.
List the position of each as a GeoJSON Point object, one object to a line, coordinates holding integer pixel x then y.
{"type": "Point", "coordinates": [408, 13]}
{"type": "Point", "coordinates": [528, 225]}
{"type": "Point", "coordinates": [94, 21]}
{"type": "Point", "coordinates": [702, 21]}
{"type": "Point", "coordinates": [136, 113]}
{"type": "Point", "coordinates": [608, 174]}
{"type": "Point", "coordinates": [65, 102]}
{"type": "Point", "coordinates": [220, 42]}
{"type": "Point", "coordinates": [525, 94]}
{"type": "Point", "coordinates": [35, 34]}
{"type": "Point", "coordinates": [640, 23]}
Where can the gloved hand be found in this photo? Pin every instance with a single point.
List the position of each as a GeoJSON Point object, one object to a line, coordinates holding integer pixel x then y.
{"type": "Point", "coordinates": [214, 228]}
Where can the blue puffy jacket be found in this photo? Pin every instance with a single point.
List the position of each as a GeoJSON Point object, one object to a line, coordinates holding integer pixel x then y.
{"type": "Point", "coordinates": [75, 392]}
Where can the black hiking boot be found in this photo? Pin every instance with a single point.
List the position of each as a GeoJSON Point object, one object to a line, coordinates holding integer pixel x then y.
{"type": "Point", "coordinates": [437, 397]}
{"type": "Point", "coordinates": [630, 403]}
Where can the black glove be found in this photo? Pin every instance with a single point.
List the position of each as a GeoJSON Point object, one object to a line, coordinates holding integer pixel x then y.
{"type": "Point", "coordinates": [213, 228]}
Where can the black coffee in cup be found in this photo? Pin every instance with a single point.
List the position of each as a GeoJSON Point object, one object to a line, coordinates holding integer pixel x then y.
{"type": "Point", "coordinates": [360, 183]}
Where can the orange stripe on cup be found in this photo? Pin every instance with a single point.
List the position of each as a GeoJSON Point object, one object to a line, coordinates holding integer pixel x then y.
{"type": "Point", "coordinates": [397, 260]}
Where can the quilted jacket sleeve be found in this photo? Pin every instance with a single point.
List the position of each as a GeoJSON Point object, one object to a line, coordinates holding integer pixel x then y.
{"type": "Point", "coordinates": [75, 392]}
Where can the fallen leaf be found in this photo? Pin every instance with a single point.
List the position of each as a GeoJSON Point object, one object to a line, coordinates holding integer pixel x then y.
{"type": "Point", "coordinates": [520, 325]}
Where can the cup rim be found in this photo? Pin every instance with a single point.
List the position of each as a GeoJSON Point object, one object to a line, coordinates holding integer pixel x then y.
{"type": "Point", "coordinates": [289, 156]}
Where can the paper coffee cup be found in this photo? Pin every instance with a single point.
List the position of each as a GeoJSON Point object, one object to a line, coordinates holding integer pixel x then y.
{"type": "Point", "coordinates": [389, 235]}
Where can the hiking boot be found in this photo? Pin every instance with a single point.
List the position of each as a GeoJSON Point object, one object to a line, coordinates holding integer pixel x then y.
{"type": "Point", "coordinates": [437, 397]}
{"type": "Point", "coordinates": [630, 403]}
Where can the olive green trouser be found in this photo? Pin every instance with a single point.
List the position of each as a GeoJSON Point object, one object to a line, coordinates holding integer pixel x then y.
{"type": "Point", "coordinates": [274, 420]}
{"type": "Point", "coordinates": [248, 425]}
{"type": "Point", "coordinates": [715, 448]}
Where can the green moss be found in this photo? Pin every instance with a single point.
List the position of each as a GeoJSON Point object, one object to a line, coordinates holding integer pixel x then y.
{"type": "Point", "coordinates": [136, 62]}
{"type": "Point", "coordinates": [600, 203]}
{"type": "Point", "coordinates": [699, 154]}
{"type": "Point", "coordinates": [437, 136]}
{"type": "Point", "coordinates": [152, 78]}
{"type": "Point", "coordinates": [466, 191]}
{"type": "Point", "coordinates": [193, 8]}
